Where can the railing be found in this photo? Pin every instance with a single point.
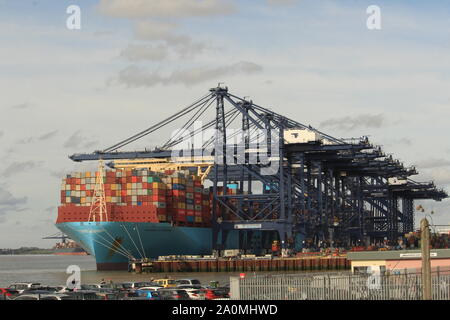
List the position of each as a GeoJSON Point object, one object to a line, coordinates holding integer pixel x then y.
{"type": "Point", "coordinates": [337, 287]}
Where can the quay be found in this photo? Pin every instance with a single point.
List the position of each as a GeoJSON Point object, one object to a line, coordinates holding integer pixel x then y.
{"type": "Point", "coordinates": [244, 264]}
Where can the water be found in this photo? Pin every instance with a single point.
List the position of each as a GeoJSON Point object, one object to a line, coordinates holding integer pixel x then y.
{"type": "Point", "coordinates": [51, 270]}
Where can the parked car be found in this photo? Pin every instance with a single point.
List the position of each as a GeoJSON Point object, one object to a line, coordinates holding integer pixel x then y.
{"type": "Point", "coordinates": [22, 286]}
{"type": "Point", "coordinates": [173, 294]}
{"type": "Point", "coordinates": [93, 287]}
{"type": "Point", "coordinates": [166, 283]}
{"type": "Point", "coordinates": [83, 295]}
{"type": "Point", "coordinates": [127, 285]}
{"type": "Point", "coordinates": [217, 293]}
{"type": "Point", "coordinates": [111, 295]}
{"type": "Point", "coordinates": [35, 296]}
{"type": "Point", "coordinates": [195, 293]}
{"type": "Point", "coordinates": [148, 294]}
{"type": "Point", "coordinates": [192, 283]}
{"type": "Point", "coordinates": [6, 292]}
{"type": "Point", "coordinates": [145, 284]}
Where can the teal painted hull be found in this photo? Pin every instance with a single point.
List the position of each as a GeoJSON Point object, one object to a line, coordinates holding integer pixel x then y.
{"type": "Point", "coordinates": [113, 243]}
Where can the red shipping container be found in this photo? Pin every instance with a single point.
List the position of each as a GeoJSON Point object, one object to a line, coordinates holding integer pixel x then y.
{"type": "Point", "coordinates": [190, 212]}
{"type": "Point", "coordinates": [123, 193]}
{"type": "Point", "coordinates": [158, 198]}
{"type": "Point", "coordinates": [178, 193]}
{"type": "Point", "coordinates": [181, 212]}
{"type": "Point", "coordinates": [133, 179]}
{"type": "Point", "coordinates": [197, 201]}
{"type": "Point", "coordinates": [159, 192]}
{"type": "Point", "coordinates": [78, 181]}
{"type": "Point", "coordinates": [129, 179]}
{"type": "Point", "coordinates": [161, 211]}
{"type": "Point", "coordinates": [180, 218]}
{"type": "Point", "coordinates": [144, 185]}
{"type": "Point", "coordinates": [107, 186]}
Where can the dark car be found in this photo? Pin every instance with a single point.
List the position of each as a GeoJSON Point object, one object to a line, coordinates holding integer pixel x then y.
{"type": "Point", "coordinates": [83, 295]}
{"type": "Point", "coordinates": [173, 294]}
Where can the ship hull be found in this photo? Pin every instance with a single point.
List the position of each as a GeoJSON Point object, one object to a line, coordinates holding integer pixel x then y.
{"type": "Point", "coordinates": [114, 243]}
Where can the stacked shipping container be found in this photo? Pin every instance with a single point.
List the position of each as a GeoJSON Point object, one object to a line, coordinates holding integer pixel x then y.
{"type": "Point", "coordinates": [138, 195]}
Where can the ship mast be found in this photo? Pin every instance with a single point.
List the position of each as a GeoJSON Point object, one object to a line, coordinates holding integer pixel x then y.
{"type": "Point", "coordinates": [98, 206]}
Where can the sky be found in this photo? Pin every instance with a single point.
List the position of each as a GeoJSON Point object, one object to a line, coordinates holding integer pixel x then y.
{"type": "Point", "coordinates": [134, 62]}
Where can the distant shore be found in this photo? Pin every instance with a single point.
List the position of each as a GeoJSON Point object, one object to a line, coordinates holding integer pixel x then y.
{"type": "Point", "coordinates": [26, 250]}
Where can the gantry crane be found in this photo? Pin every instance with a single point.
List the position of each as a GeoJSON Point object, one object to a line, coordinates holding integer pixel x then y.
{"type": "Point", "coordinates": [292, 179]}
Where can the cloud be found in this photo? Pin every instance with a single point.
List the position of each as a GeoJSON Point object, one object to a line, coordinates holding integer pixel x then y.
{"type": "Point", "coordinates": [433, 163]}
{"type": "Point", "coordinates": [43, 137]}
{"type": "Point", "coordinates": [350, 123]}
{"type": "Point", "coordinates": [145, 52]}
{"type": "Point", "coordinates": [24, 105]}
{"type": "Point", "coordinates": [398, 142]}
{"type": "Point", "coordinates": [164, 9]}
{"type": "Point", "coordinates": [164, 31]}
{"type": "Point", "coordinates": [48, 135]}
{"type": "Point", "coordinates": [19, 167]}
{"type": "Point", "coordinates": [9, 203]}
{"type": "Point", "coordinates": [133, 76]}
{"type": "Point", "coordinates": [440, 175]}
{"type": "Point", "coordinates": [77, 140]}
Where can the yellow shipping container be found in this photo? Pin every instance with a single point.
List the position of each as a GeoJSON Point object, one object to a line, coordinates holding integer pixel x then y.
{"type": "Point", "coordinates": [88, 174]}
{"type": "Point", "coordinates": [114, 187]}
{"type": "Point", "coordinates": [158, 185]}
{"type": "Point", "coordinates": [129, 185]}
{"type": "Point", "coordinates": [198, 219]}
{"type": "Point", "coordinates": [83, 200]}
{"type": "Point", "coordinates": [108, 199]}
{"type": "Point", "coordinates": [162, 217]}
{"type": "Point", "coordinates": [179, 180]}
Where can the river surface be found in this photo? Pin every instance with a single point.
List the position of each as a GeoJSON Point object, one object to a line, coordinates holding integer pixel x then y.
{"type": "Point", "coordinates": [51, 270]}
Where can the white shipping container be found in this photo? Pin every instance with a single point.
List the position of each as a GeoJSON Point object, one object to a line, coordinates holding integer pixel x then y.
{"type": "Point", "coordinates": [300, 136]}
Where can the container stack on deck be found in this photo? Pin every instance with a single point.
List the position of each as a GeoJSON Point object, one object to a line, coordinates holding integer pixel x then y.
{"type": "Point", "coordinates": [138, 196]}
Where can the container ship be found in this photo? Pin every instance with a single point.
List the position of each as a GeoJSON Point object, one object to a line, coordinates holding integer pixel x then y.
{"type": "Point", "coordinates": [70, 248]}
{"type": "Point", "coordinates": [137, 214]}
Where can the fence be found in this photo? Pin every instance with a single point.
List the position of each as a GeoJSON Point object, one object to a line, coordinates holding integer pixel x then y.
{"type": "Point", "coordinates": [337, 287]}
